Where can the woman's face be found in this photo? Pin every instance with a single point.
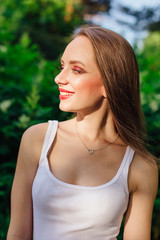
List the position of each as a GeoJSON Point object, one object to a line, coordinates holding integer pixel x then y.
{"type": "Point", "coordinates": [80, 83]}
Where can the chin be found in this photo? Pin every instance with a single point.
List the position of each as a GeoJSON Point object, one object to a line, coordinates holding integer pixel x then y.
{"type": "Point", "coordinates": [66, 109]}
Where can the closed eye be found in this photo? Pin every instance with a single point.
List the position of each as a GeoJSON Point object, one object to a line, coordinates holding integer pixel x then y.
{"type": "Point", "coordinates": [76, 70]}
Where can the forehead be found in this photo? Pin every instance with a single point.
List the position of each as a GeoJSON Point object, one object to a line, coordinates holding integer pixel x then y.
{"type": "Point", "coordinates": [80, 49]}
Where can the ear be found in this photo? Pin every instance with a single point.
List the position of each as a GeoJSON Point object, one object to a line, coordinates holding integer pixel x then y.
{"type": "Point", "coordinates": [104, 92]}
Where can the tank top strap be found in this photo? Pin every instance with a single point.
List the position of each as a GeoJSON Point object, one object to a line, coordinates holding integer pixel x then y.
{"type": "Point", "coordinates": [129, 157]}
{"type": "Point", "coordinates": [49, 138]}
{"type": "Point", "coordinates": [127, 162]}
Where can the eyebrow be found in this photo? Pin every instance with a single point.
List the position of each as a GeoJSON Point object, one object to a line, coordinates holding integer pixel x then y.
{"type": "Point", "coordinates": [74, 62]}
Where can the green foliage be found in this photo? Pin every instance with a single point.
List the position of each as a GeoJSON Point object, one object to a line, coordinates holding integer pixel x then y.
{"type": "Point", "coordinates": [47, 22]}
{"type": "Point", "coordinates": [148, 59]}
{"type": "Point", "coordinates": [6, 171]}
{"type": "Point", "coordinates": [28, 93]}
{"type": "Point", "coordinates": [28, 96]}
{"type": "Point", "coordinates": [150, 87]}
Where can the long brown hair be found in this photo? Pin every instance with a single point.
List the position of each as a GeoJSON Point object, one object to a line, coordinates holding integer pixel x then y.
{"type": "Point", "coordinates": [119, 69]}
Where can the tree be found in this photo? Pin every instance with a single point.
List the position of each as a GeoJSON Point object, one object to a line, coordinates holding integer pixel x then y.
{"type": "Point", "coordinates": [48, 23]}
{"type": "Point", "coordinates": [145, 19]}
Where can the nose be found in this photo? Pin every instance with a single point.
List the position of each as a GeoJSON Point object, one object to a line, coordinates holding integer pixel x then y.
{"type": "Point", "coordinates": [61, 78]}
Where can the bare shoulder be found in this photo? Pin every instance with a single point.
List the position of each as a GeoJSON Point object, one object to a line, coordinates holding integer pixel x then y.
{"type": "Point", "coordinates": [35, 132]}
{"type": "Point", "coordinates": [143, 174]}
{"type": "Point", "coordinates": [32, 140]}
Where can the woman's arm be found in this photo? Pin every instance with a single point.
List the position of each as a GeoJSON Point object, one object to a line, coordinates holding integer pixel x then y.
{"type": "Point", "coordinates": [21, 196]}
{"type": "Point", "coordinates": [143, 180]}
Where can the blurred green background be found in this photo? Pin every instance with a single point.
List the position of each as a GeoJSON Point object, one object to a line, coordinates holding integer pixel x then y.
{"type": "Point", "coordinates": [33, 35]}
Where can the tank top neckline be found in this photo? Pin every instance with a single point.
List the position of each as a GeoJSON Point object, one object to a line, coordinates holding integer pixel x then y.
{"type": "Point", "coordinates": [83, 187]}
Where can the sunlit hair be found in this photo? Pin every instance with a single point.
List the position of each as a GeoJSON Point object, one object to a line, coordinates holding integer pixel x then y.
{"type": "Point", "coordinates": [119, 69]}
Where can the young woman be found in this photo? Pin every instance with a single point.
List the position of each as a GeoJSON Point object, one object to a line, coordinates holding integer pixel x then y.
{"type": "Point", "coordinates": [76, 179]}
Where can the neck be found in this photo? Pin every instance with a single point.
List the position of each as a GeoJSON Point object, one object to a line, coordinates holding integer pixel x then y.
{"type": "Point", "coordinates": [97, 127]}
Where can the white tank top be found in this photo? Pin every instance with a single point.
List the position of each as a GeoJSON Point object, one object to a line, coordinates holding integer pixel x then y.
{"type": "Point", "coordinates": [63, 211]}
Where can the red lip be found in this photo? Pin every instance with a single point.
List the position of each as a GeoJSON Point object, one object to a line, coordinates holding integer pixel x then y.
{"type": "Point", "coordinates": [62, 97]}
{"type": "Point", "coordinates": [63, 90]}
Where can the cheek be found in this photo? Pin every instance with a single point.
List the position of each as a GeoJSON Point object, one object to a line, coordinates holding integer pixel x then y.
{"type": "Point", "coordinates": [88, 85]}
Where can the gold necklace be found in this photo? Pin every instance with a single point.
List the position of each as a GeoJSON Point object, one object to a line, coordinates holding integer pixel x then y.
{"type": "Point", "coordinates": [91, 150]}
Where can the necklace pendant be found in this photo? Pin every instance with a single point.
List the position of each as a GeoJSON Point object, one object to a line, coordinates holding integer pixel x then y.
{"type": "Point", "coordinates": [90, 151]}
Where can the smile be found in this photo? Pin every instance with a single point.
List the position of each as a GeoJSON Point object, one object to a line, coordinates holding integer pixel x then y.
{"type": "Point", "coordinates": [64, 94]}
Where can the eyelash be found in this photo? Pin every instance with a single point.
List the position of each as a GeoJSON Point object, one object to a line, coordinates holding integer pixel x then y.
{"type": "Point", "coordinates": [73, 69]}
{"type": "Point", "coordinates": [60, 68]}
